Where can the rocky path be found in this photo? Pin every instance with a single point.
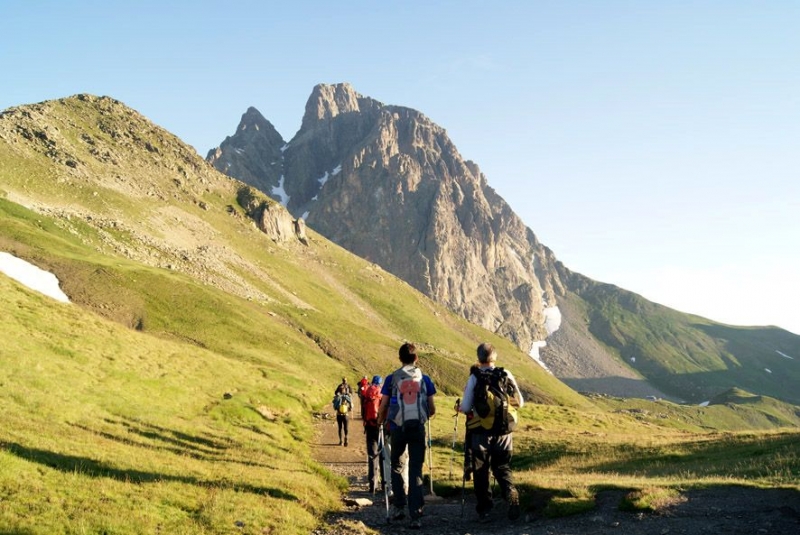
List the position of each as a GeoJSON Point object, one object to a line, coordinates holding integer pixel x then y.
{"type": "Point", "coordinates": [719, 510]}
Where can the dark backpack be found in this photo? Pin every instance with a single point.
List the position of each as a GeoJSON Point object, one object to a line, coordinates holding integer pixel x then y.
{"type": "Point", "coordinates": [491, 403]}
{"type": "Point", "coordinates": [372, 401]}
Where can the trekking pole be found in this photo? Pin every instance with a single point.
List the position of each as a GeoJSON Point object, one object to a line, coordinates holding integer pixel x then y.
{"type": "Point", "coordinates": [382, 454]}
{"type": "Point", "coordinates": [455, 431]}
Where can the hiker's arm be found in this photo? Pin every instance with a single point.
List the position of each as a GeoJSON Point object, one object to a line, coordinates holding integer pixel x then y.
{"type": "Point", "coordinates": [517, 400]}
{"type": "Point", "coordinates": [431, 407]}
{"type": "Point", "coordinates": [466, 399]}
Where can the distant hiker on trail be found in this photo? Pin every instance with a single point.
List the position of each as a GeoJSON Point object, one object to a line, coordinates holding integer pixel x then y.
{"type": "Point", "coordinates": [343, 388]}
{"type": "Point", "coordinates": [363, 383]}
{"type": "Point", "coordinates": [407, 403]}
{"type": "Point", "coordinates": [342, 404]}
{"type": "Point", "coordinates": [490, 400]}
{"type": "Point", "coordinates": [370, 407]}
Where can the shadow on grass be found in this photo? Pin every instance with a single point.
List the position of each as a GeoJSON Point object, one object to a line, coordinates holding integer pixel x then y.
{"type": "Point", "coordinates": [93, 468]}
{"type": "Point", "coordinates": [143, 435]}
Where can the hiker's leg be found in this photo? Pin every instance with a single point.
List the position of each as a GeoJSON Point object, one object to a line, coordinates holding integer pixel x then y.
{"type": "Point", "coordinates": [372, 456]}
{"type": "Point", "coordinates": [501, 448]}
{"type": "Point", "coordinates": [339, 425]}
{"type": "Point", "coordinates": [416, 461]}
{"type": "Point", "coordinates": [481, 458]}
{"type": "Point", "coordinates": [468, 468]}
{"type": "Point", "coordinates": [398, 449]}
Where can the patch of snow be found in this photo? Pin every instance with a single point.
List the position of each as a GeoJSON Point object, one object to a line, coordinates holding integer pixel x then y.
{"type": "Point", "coordinates": [32, 276]}
{"type": "Point", "coordinates": [784, 355]}
{"type": "Point", "coordinates": [239, 151]}
{"type": "Point", "coordinates": [314, 198]}
{"type": "Point", "coordinates": [705, 404]}
{"type": "Point", "coordinates": [534, 354]}
{"type": "Point", "coordinates": [305, 215]}
{"type": "Point", "coordinates": [323, 179]}
{"type": "Point", "coordinates": [767, 370]}
{"type": "Point", "coordinates": [279, 192]}
{"type": "Point", "coordinates": [283, 149]}
{"type": "Point", "coordinates": [552, 319]}
{"type": "Point", "coordinates": [633, 359]}
{"type": "Point", "coordinates": [336, 170]}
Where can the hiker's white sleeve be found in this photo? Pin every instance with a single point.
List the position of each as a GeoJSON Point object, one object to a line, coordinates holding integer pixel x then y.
{"type": "Point", "coordinates": [466, 399]}
{"type": "Point", "coordinates": [518, 392]}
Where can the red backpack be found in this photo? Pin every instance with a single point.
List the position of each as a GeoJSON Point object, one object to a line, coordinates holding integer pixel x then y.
{"type": "Point", "coordinates": [372, 400]}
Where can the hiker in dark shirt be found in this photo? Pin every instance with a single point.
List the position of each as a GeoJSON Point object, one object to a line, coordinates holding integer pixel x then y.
{"type": "Point", "coordinates": [342, 404]}
{"type": "Point", "coordinates": [343, 388]}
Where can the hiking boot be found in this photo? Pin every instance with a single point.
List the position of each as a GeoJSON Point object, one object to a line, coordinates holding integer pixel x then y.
{"type": "Point", "coordinates": [513, 504]}
{"type": "Point", "coordinates": [397, 513]}
{"type": "Point", "coordinates": [345, 441]}
{"type": "Point", "coordinates": [415, 524]}
{"type": "Point", "coordinates": [340, 441]}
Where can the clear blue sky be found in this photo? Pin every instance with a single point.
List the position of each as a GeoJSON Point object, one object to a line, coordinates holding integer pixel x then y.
{"type": "Point", "coordinates": [652, 145]}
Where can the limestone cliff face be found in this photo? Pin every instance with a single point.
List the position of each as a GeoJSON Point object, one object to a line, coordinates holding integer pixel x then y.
{"type": "Point", "coordinates": [388, 184]}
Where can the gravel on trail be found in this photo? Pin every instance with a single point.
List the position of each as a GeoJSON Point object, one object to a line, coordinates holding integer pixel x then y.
{"type": "Point", "coordinates": [716, 510]}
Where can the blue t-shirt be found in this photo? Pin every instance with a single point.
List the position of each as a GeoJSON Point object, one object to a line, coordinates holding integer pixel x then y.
{"type": "Point", "coordinates": [386, 390]}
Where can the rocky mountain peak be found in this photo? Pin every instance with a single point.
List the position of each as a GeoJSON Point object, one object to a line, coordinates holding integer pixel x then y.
{"type": "Point", "coordinates": [253, 154]}
{"type": "Point", "coordinates": [388, 184]}
{"type": "Point", "coordinates": [253, 120]}
{"type": "Point", "coordinates": [328, 101]}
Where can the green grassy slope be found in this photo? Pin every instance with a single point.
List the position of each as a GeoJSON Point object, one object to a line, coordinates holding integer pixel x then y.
{"type": "Point", "coordinates": [687, 356]}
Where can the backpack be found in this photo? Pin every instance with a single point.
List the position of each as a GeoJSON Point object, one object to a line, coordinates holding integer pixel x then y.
{"type": "Point", "coordinates": [408, 389]}
{"type": "Point", "coordinates": [372, 400]}
{"type": "Point", "coordinates": [341, 404]}
{"type": "Point", "coordinates": [491, 404]}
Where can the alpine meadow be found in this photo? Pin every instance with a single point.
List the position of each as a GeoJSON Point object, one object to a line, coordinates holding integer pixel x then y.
{"type": "Point", "coordinates": [179, 390]}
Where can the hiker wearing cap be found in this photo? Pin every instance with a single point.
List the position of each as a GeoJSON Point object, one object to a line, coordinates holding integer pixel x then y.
{"type": "Point", "coordinates": [407, 403]}
{"type": "Point", "coordinates": [370, 405]}
{"type": "Point", "coordinates": [490, 399]}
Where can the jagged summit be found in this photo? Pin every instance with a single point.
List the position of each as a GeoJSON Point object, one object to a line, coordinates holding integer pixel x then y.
{"type": "Point", "coordinates": [253, 154]}
{"type": "Point", "coordinates": [328, 101]}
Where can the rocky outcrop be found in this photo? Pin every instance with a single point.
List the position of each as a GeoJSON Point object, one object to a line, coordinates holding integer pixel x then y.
{"type": "Point", "coordinates": [271, 218]}
{"type": "Point", "coordinates": [387, 183]}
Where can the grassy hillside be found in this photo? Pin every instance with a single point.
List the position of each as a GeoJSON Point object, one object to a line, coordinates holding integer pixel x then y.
{"type": "Point", "coordinates": [175, 393]}
{"type": "Point", "coordinates": [689, 357]}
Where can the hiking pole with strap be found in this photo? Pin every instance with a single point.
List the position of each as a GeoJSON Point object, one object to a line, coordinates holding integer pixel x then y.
{"type": "Point", "coordinates": [455, 431]}
{"type": "Point", "coordinates": [383, 456]}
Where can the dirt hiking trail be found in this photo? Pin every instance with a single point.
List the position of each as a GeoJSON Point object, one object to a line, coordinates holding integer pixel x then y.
{"type": "Point", "coordinates": [718, 510]}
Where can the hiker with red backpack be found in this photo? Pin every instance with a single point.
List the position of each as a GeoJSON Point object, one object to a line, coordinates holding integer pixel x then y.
{"type": "Point", "coordinates": [407, 403]}
{"type": "Point", "coordinates": [363, 384]}
{"type": "Point", "coordinates": [370, 403]}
